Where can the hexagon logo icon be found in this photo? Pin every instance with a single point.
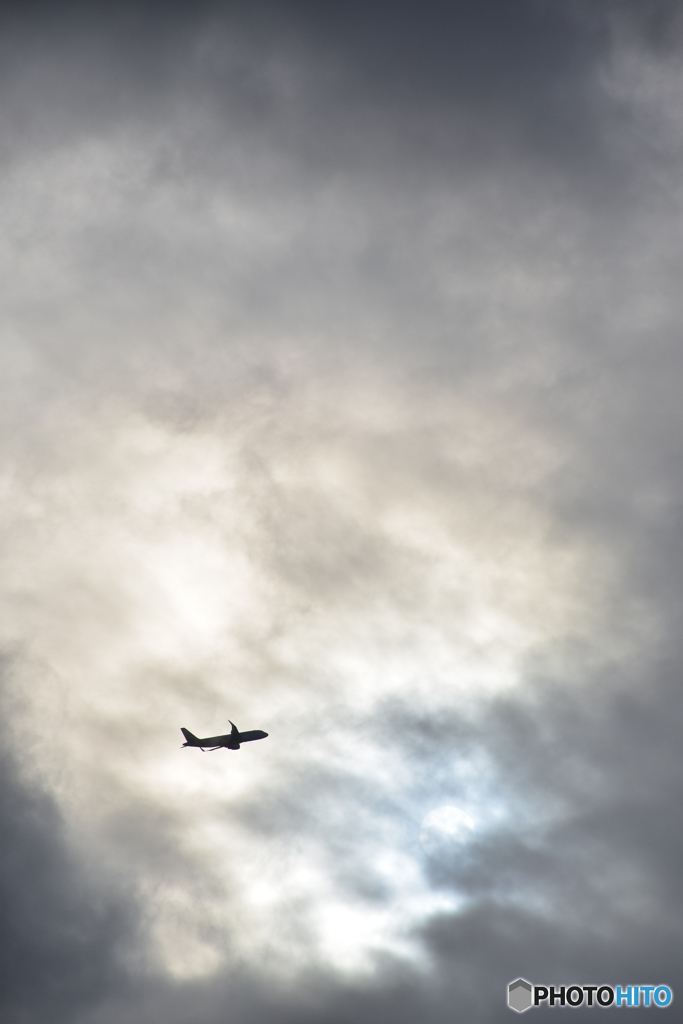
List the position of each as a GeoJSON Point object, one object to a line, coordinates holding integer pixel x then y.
{"type": "Point", "coordinates": [519, 995]}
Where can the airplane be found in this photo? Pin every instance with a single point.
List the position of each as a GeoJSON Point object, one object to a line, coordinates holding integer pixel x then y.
{"type": "Point", "coordinates": [231, 740]}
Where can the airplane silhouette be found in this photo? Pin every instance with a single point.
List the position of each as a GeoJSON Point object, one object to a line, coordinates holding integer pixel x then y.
{"type": "Point", "coordinates": [231, 740]}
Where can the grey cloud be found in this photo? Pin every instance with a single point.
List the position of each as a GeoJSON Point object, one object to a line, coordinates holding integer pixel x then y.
{"type": "Point", "coordinates": [64, 932]}
{"type": "Point", "coordinates": [401, 281]}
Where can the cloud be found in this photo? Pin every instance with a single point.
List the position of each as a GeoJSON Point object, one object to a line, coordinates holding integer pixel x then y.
{"type": "Point", "coordinates": [340, 366]}
{"type": "Point", "coordinates": [64, 929]}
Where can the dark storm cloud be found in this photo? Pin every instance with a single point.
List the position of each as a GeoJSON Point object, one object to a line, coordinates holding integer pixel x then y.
{"type": "Point", "coordinates": [443, 86]}
{"type": "Point", "coordinates": [289, 102]}
{"type": "Point", "coordinates": [63, 930]}
{"type": "Point", "coordinates": [524, 69]}
{"type": "Point", "coordinates": [531, 68]}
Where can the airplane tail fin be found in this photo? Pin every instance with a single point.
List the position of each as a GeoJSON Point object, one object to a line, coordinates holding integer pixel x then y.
{"type": "Point", "coordinates": [190, 739]}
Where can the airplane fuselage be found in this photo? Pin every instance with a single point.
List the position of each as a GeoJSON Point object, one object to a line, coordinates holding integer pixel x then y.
{"type": "Point", "coordinates": [230, 740]}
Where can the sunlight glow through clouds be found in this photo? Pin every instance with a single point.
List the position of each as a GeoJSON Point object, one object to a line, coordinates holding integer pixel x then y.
{"type": "Point", "coordinates": [182, 612]}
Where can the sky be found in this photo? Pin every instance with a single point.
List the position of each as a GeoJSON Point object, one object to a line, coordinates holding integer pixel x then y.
{"type": "Point", "coordinates": [341, 361]}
